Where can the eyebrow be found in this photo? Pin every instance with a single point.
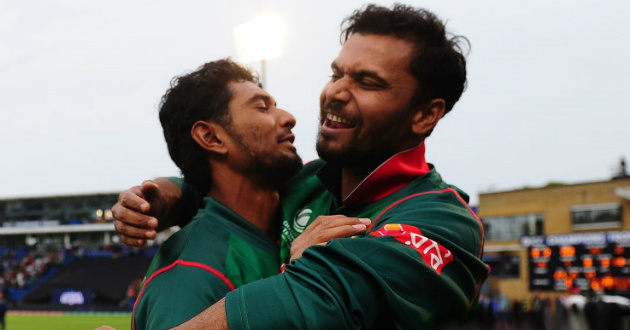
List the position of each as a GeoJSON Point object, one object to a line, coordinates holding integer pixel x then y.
{"type": "Point", "coordinates": [363, 74]}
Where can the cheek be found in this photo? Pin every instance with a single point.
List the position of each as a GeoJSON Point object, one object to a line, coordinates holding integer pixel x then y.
{"type": "Point", "coordinates": [371, 107]}
{"type": "Point", "coordinates": [257, 131]}
{"type": "Point", "coordinates": [376, 113]}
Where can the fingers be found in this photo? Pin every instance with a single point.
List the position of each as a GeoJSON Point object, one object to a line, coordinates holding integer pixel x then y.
{"type": "Point", "coordinates": [325, 228]}
{"type": "Point", "coordinates": [327, 232]}
{"type": "Point", "coordinates": [150, 191]}
{"type": "Point", "coordinates": [133, 199]}
{"type": "Point", "coordinates": [135, 242]}
{"type": "Point", "coordinates": [127, 215]}
{"type": "Point", "coordinates": [130, 219]}
{"type": "Point", "coordinates": [138, 229]}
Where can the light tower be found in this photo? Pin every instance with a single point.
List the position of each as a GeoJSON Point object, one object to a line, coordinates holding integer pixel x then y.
{"type": "Point", "coordinates": [260, 40]}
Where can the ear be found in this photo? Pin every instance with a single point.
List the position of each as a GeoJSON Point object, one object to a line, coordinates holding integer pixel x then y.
{"type": "Point", "coordinates": [209, 136]}
{"type": "Point", "coordinates": [428, 116]}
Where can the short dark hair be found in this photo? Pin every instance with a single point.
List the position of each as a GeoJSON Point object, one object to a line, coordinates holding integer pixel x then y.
{"type": "Point", "coordinates": [199, 95]}
{"type": "Point", "coordinates": [438, 62]}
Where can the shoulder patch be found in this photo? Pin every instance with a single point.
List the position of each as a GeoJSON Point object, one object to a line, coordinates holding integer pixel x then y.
{"type": "Point", "coordinates": [443, 191]}
{"type": "Point", "coordinates": [433, 254]}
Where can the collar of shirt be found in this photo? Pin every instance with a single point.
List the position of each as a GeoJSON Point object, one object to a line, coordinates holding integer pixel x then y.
{"type": "Point", "coordinates": [392, 175]}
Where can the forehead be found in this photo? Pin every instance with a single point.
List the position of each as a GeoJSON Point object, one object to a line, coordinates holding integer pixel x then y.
{"type": "Point", "coordinates": [388, 56]}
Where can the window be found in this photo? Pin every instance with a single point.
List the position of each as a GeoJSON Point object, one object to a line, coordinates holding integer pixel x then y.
{"type": "Point", "coordinates": [596, 216]}
{"type": "Point", "coordinates": [33, 205]}
{"type": "Point", "coordinates": [512, 227]}
{"type": "Point", "coordinates": [503, 266]}
{"type": "Point", "coordinates": [14, 206]}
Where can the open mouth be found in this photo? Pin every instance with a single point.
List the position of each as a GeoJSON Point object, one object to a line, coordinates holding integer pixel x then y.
{"type": "Point", "coordinates": [335, 121]}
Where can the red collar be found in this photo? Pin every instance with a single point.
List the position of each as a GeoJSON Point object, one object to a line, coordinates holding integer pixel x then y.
{"type": "Point", "coordinates": [392, 175]}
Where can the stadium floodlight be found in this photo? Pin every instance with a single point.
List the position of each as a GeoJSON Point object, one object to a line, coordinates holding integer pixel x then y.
{"type": "Point", "coordinates": [260, 40]}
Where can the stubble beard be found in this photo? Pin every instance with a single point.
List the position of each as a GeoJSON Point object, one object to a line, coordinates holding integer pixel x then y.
{"type": "Point", "coordinates": [269, 172]}
{"type": "Point", "coordinates": [351, 155]}
{"type": "Point", "coordinates": [363, 151]}
{"type": "Point", "coordinates": [345, 155]}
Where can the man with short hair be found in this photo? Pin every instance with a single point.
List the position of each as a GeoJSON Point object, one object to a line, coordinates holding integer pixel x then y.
{"type": "Point", "coordinates": [419, 263]}
{"type": "Point", "coordinates": [229, 138]}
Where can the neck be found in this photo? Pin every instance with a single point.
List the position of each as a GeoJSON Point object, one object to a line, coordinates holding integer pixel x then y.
{"type": "Point", "coordinates": [409, 162]}
{"type": "Point", "coordinates": [351, 178]}
{"type": "Point", "coordinates": [249, 199]}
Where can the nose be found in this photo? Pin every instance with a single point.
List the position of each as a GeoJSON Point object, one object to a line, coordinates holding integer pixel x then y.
{"type": "Point", "coordinates": [337, 90]}
{"type": "Point", "coordinates": [286, 119]}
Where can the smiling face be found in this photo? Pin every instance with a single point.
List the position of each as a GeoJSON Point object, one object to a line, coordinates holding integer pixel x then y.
{"type": "Point", "coordinates": [260, 133]}
{"type": "Point", "coordinates": [365, 114]}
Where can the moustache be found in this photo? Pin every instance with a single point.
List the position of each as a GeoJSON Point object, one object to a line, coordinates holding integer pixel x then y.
{"type": "Point", "coordinates": [334, 105]}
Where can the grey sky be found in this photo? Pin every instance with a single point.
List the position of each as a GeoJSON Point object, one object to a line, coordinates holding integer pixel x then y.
{"type": "Point", "coordinates": [548, 95]}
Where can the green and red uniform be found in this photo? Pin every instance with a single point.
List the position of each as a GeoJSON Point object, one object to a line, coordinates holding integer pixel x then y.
{"type": "Point", "coordinates": [216, 252]}
{"type": "Point", "coordinates": [418, 265]}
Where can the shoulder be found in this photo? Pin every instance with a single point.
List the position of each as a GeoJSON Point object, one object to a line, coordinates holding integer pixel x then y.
{"type": "Point", "coordinates": [176, 293]}
{"type": "Point", "coordinates": [438, 210]}
{"type": "Point", "coordinates": [186, 275]}
{"type": "Point", "coordinates": [433, 193]}
{"type": "Point", "coordinates": [196, 242]}
{"type": "Point", "coordinates": [441, 205]}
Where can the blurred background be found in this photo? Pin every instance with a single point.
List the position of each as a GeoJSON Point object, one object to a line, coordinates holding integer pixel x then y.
{"type": "Point", "coordinates": [536, 139]}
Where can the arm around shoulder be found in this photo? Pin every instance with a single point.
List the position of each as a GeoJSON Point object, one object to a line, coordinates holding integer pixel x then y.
{"type": "Point", "coordinates": [213, 318]}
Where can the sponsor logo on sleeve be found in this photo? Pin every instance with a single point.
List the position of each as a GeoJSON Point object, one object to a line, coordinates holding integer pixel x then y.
{"type": "Point", "coordinates": [433, 254]}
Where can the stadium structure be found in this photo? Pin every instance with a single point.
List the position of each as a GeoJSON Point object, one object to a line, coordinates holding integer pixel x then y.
{"type": "Point", "coordinates": [63, 253]}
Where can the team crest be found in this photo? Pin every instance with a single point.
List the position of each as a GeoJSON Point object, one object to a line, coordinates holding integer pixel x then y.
{"type": "Point", "coordinates": [302, 220]}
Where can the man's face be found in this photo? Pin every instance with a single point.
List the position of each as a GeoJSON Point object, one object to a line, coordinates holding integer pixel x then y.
{"type": "Point", "coordinates": [262, 134]}
{"type": "Point", "coordinates": [364, 109]}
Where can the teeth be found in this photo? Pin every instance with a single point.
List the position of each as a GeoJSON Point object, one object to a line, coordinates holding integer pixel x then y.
{"type": "Point", "coordinates": [335, 118]}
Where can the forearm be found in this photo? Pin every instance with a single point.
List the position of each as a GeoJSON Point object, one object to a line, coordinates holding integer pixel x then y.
{"type": "Point", "coordinates": [212, 318]}
{"type": "Point", "coordinates": [300, 298]}
{"type": "Point", "coordinates": [357, 284]}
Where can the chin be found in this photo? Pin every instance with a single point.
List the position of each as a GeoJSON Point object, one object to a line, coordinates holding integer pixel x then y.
{"type": "Point", "coordinates": [329, 150]}
{"type": "Point", "coordinates": [332, 156]}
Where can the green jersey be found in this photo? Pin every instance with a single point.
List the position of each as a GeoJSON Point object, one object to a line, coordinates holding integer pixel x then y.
{"type": "Point", "coordinates": [215, 253]}
{"type": "Point", "coordinates": [417, 266]}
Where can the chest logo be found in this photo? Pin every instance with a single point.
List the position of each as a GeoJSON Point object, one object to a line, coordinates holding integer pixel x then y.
{"type": "Point", "coordinates": [433, 254]}
{"type": "Point", "coordinates": [301, 220]}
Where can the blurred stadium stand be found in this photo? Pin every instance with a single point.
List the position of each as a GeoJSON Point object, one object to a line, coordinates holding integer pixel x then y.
{"type": "Point", "coordinates": [62, 253]}
{"type": "Point", "coordinates": [101, 281]}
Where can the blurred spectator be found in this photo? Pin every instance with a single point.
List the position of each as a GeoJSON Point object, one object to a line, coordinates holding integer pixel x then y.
{"type": "Point", "coordinates": [132, 293]}
{"type": "Point", "coordinates": [23, 266]}
{"type": "Point", "coordinates": [3, 311]}
{"type": "Point", "coordinates": [574, 306]}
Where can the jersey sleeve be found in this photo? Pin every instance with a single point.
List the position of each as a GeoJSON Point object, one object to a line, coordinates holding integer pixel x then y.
{"type": "Point", "coordinates": [163, 305]}
{"type": "Point", "coordinates": [417, 267]}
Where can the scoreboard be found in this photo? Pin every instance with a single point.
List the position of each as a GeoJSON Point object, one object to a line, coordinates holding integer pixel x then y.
{"type": "Point", "coordinates": [588, 261]}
